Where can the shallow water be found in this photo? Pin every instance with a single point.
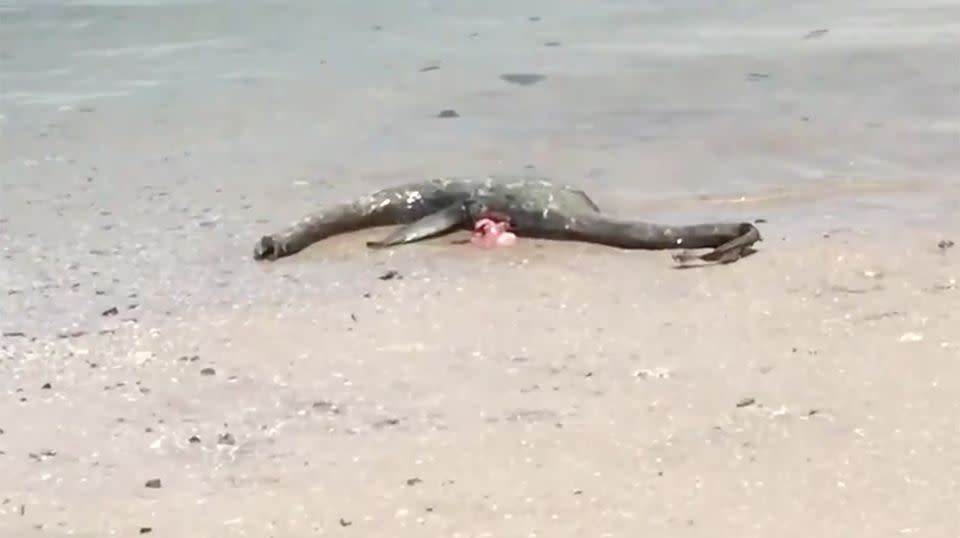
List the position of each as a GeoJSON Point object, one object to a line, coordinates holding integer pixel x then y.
{"type": "Point", "coordinates": [147, 144]}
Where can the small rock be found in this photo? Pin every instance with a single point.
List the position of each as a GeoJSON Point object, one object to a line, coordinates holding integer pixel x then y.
{"type": "Point", "coordinates": [193, 440]}
{"type": "Point", "coordinates": [46, 386]}
{"type": "Point", "coordinates": [226, 439]}
{"type": "Point", "coordinates": [429, 68]}
{"type": "Point", "coordinates": [448, 113]}
{"type": "Point", "coordinates": [522, 79]}
{"type": "Point", "coordinates": [389, 275]}
{"type": "Point", "coordinates": [112, 311]}
{"type": "Point", "coordinates": [329, 407]}
{"type": "Point", "coordinates": [153, 483]}
{"type": "Point", "coordinates": [820, 32]}
{"type": "Point", "coordinates": [208, 371]}
{"type": "Point", "coordinates": [945, 244]}
{"type": "Point", "coordinates": [145, 530]}
{"type": "Point", "coordinates": [345, 523]}
{"type": "Point", "coordinates": [380, 424]}
{"type": "Point", "coordinates": [413, 481]}
{"type": "Point", "coordinates": [746, 402]}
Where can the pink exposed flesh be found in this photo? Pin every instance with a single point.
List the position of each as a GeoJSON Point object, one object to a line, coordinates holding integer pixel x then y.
{"type": "Point", "coordinates": [488, 233]}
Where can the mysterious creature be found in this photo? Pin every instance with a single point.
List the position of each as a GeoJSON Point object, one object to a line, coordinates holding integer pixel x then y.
{"type": "Point", "coordinates": [533, 208]}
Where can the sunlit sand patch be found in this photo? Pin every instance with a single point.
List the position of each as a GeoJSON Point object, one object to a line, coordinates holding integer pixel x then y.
{"type": "Point", "coordinates": [135, 3]}
{"type": "Point", "coordinates": [60, 99]}
{"type": "Point", "coordinates": [42, 73]}
{"type": "Point", "coordinates": [142, 83]}
{"type": "Point", "coordinates": [251, 75]}
{"type": "Point", "coordinates": [161, 49]}
{"type": "Point", "coordinates": [81, 24]}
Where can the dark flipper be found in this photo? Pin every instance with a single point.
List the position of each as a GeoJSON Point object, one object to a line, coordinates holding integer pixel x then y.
{"type": "Point", "coordinates": [728, 252]}
{"type": "Point", "coordinates": [729, 240]}
{"type": "Point", "coordinates": [433, 224]}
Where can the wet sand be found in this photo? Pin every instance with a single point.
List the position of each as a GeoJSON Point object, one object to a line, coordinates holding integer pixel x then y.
{"type": "Point", "coordinates": [549, 389]}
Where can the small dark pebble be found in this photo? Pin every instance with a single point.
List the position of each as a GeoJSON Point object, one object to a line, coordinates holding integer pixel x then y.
{"type": "Point", "coordinates": [226, 439]}
{"type": "Point", "coordinates": [448, 113]}
{"type": "Point", "coordinates": [413, 481]}
{"type": "Point", "coordinates": [42, 455]}
{"type": "Point", "coordinates": [534, 18]}
{"type": "Point", "coordinates": [208, 371]}
{"type": "Point", "coordinates": [353, 317]}
{"type": "Point", "coordinates": [112, 311]}
{"type": "Point", "coordinates": [760, 221]}
{"type": "Point", "coordinates": [366, 295]}
{"type": "Point", "coordinates": [429, 68]}
{"type": "Point", "coordinates": [552, 44]}
{"type": "Point", "coordinates": [194, 440]}
{"type": "Point", "coordinates": [71, 334]}
{"type": "Point", "coordinates": [345, 523]}
{"type": "Point", "coordinates": [812, 412]}
{"type": "Point", "coordinates": [330, 407]}
{"type": "Point", "coordinates": [145, 530]}
{"type": "Point", "coordinates": [578, 492]}
{"type": "Point", "coordinates": [46, 386]}
{"type": "Point", "coordinates": [820, 32]}
{"type": "Point", "coordinates": [522, 79]}
{"type": "Point", "coordinates": [14, 334]}
{"type": "Point", "coordinates": [386, 422]}
{"type": "Point", "coordinates": [746, 402]}
{"type": "Point", "coordinates": [945, 244]}
{"type": "Point", "coordinates": [153, 483]}
{"type": "Point", "coordinates": [389, 275]}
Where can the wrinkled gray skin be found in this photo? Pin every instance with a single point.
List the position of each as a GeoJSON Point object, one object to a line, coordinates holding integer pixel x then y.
{"type": "Point", "coordinates": [535, 208]}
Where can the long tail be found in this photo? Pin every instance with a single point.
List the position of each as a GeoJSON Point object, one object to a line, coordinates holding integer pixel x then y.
{"type": "Point", "coordinates": [729, 240]}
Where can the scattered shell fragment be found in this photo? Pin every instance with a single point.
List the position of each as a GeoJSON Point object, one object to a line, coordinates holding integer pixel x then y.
{"type": "Point", "coordinates": [911, 337]}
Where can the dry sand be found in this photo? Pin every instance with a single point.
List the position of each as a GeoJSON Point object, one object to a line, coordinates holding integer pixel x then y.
{"type": "Point", "coordinates": [548, 389]}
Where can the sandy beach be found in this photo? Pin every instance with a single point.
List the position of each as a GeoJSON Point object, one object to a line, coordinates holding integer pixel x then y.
{"type": "Point", "coordinates": [157, 381]}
